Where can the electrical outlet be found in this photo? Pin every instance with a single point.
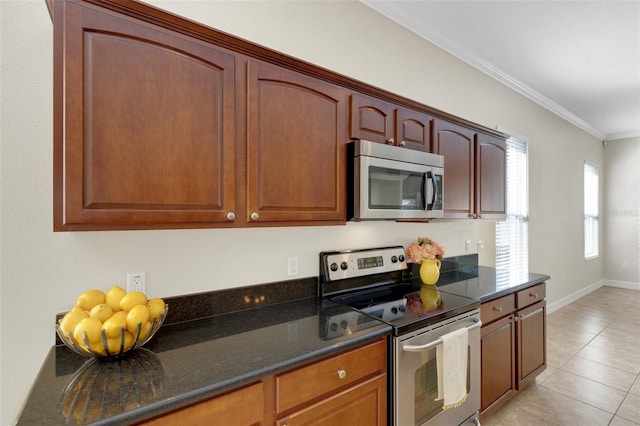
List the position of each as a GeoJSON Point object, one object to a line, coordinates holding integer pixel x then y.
{"type": "Point", "coordinates": [136, 282]}
{"type": "Point", "coordinates": [292, 266]}
{"type": "Point", "coordinates": [467, 246]}
{"type": "Point", "coordinates": [480, 245]}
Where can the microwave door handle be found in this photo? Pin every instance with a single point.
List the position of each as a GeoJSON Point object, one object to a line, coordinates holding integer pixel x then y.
{"type": "Point", "coordinates": [421, 348]}
{"type": "Point", "coordinates": [434, 187]}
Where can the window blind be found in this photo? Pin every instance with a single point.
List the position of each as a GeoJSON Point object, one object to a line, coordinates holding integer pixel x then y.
{"type": "Point", "coordinates": [512, 242]}
{"type": "Point", "coordinates": [591, 216]}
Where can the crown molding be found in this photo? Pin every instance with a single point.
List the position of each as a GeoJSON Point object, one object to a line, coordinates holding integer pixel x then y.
{"type": "Point", "coordinates": [411, 23]}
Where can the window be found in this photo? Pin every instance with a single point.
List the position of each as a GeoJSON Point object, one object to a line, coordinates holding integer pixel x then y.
{"type": "Point", "coordinates": [591, 217]}
{"type": "Point", "coordinates": [512, 242]}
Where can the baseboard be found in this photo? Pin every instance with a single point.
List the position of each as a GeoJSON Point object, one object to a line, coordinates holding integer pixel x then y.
{"type": "Point", "coordinates": [622, 284]}
{"type": "Point", "coordinates": [559, 304]}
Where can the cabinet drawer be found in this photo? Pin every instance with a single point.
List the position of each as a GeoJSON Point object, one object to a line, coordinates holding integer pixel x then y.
{"type": "Point", "coordinates": [244, 406]}
{"type": "Point", "coordinates": [530, 295]}
{"type": "Point", "coordinates": [315, 380]}
{"type": "Point", "coordinates": [497, 308]}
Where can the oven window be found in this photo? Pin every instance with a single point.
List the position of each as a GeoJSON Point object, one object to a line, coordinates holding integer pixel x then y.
{"type": "Point", "coordinates": [426, 387]}
{"type": "Point", "coordinates": [396, 189]}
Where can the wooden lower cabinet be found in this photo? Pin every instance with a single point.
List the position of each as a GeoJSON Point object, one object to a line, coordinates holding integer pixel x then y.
{"type": "Point", "coordinates": [531, 332]}
{"type": "Point", "coordinates": [346, 389]}
{"type": "Point", "coordinates": [242, 407]}
{"type": "Point", "coordinates": [498, 362]}
{"type": "Point", "coordinates": [363, 404]}
{"type": "Point", "coordinates": [513, 345]}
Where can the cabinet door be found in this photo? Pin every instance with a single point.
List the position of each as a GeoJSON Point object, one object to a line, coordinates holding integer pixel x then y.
{"type": "Point", "coordinates": [371, 119]}
{"type": "Point", "coordinates": [491, 166]}
{"type": "Point", "coordinates": [144, 125]}
{"type": "Point", "coordinates": [456, 143]}
{"type": "Point", "coordinates": [244, 407]}
{"type": "Point", "coordinates": [498, 381]}
{"type": "Point", "coordinates": [364, 405]}
{"type": "Point", "coordinates": [532, 349]}
{"type": "Point", "coordinates": [296, 149]}
{"type": "Point", "coordinates": [413, 129]}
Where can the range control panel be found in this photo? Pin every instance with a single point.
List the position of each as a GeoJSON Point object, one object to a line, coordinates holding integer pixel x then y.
{"type": "Point", "coordinates": [357, 263]}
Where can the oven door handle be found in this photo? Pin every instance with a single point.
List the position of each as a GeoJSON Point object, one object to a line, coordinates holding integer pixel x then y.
{"type": "Point", "coordinates": [426, 346]}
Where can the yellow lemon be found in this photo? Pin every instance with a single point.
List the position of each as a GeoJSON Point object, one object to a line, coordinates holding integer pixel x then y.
{"type": "Point", "coordinates": [139, 314]}
{"type": "Point", "coordinates": [90, 298]}
{"type": "Point", "coordinates": [156, 308]}
{"type": "Point", "coordinates": [120, 314]}
{"type": "Point", "coordinates": [114, 296]}
{"type": "Point", "coordinates": [113, 326]}
{"type": "Point", "coordinates": [91, 327]}
{"type": "Point", "coordinates": [98, 348]}
{"type": "Point", "coordinates": [128, 340]}
{"type": "Point", "coordinates": [71, 319]}
{"type": "Point", "coordinates": [133, 299]}
{"type": "Point", "coordinates": [102, 312]}
{"type": "Point", "coordinates": [145, 329]}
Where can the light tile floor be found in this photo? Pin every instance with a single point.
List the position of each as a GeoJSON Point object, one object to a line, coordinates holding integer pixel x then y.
{"type": "Point", "coordinates": [593, 366]}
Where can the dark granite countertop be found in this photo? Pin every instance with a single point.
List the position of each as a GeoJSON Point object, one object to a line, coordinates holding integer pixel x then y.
{"type": "Point", "coordinates": [258, 331]}
{"type": "Point", "coordinates": [484, 283]}
{"type": "Point", "coordinates": [185, 363]}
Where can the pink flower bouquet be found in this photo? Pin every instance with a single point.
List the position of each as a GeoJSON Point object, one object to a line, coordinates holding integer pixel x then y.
{"type": "Point", "coordinates": [424, 248]}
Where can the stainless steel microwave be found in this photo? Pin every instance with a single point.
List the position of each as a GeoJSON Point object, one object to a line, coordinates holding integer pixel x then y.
{"type": "Point", "coordinates": [391, 182]}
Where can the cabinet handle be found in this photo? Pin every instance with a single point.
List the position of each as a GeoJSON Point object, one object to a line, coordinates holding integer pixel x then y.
{"type": "Point", "coordinates": [390, 141]}
{"type": "Point", "coordinates": [255, 216]}
{"type": "Point", "coordinates": [231, 216]}
{"type": "Point", "coordinates": [402, 143]}
{"type": "Point", "coordinates": [497, 308]}
{"type": "Point", "coordinates": [342, 374]}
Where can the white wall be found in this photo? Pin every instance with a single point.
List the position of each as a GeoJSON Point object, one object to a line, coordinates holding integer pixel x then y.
{"type": "Point", "coordinates": [621, 239]}
{"type": "Point", "coordinates": [42, 272]}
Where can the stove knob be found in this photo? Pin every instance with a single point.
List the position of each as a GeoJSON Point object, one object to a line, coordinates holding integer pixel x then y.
{"type": "Point", "coordinates": [334, 267]}
{"type": "Point", "coordinates": [401, 258]}
{"type": "Point", "coordinates": [333, 326]}
{"type": "Point", "coordinates": [344, 266]}
{"type": "Point", "coordinates": [394, 310]}
{"type": "Point", "coordinates": [344, 324]}
{"type": "Point", "coordinates": [401, 308]}
{"type": "Point", "coordinates": [394, 258]}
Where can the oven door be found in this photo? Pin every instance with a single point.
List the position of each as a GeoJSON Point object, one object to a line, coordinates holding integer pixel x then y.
{"type": "Point", "coordinates": [415, 376]}
{"type": "Point", "coordinates": [389, 189]}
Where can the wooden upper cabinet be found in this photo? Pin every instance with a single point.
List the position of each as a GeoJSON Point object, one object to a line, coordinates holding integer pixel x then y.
{"type": "Point", "coordinates": [380, 121]}
{"type": "Point", "coordinates": [491, 164]}
{"type": "Point", "coordinates": [413, 129]}
{"type": "Point", "coordinates": [144, 128]}
{"type": "Point", "coordinates": [296, 147]}
{"type": "Point", "coordinates": [456, 144]}
{"type": "Point", "coordinates": [371, 119]}
{"type": "Point", "coordinates": [475, 167]}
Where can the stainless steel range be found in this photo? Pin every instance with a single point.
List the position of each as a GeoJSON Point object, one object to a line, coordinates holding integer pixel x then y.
{"type": "Point", "coordinates": [377, 282]}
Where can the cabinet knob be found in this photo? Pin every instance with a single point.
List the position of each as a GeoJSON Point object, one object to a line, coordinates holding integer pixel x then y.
{"type": "Point", "coordinates": [231, 216]}
{"type": "Point", "coordinates": [534, 295]}
{"type": "Point", "coordinates": [390, 141]}
{"type": "Point", "coordinates": [342, 374]}
{"type": "Point", "coordinates": [402, 143]}
{"type": "Point", "coordinates": [255, 216]}
{"type": "Point", "coordinates": [497, 308]}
